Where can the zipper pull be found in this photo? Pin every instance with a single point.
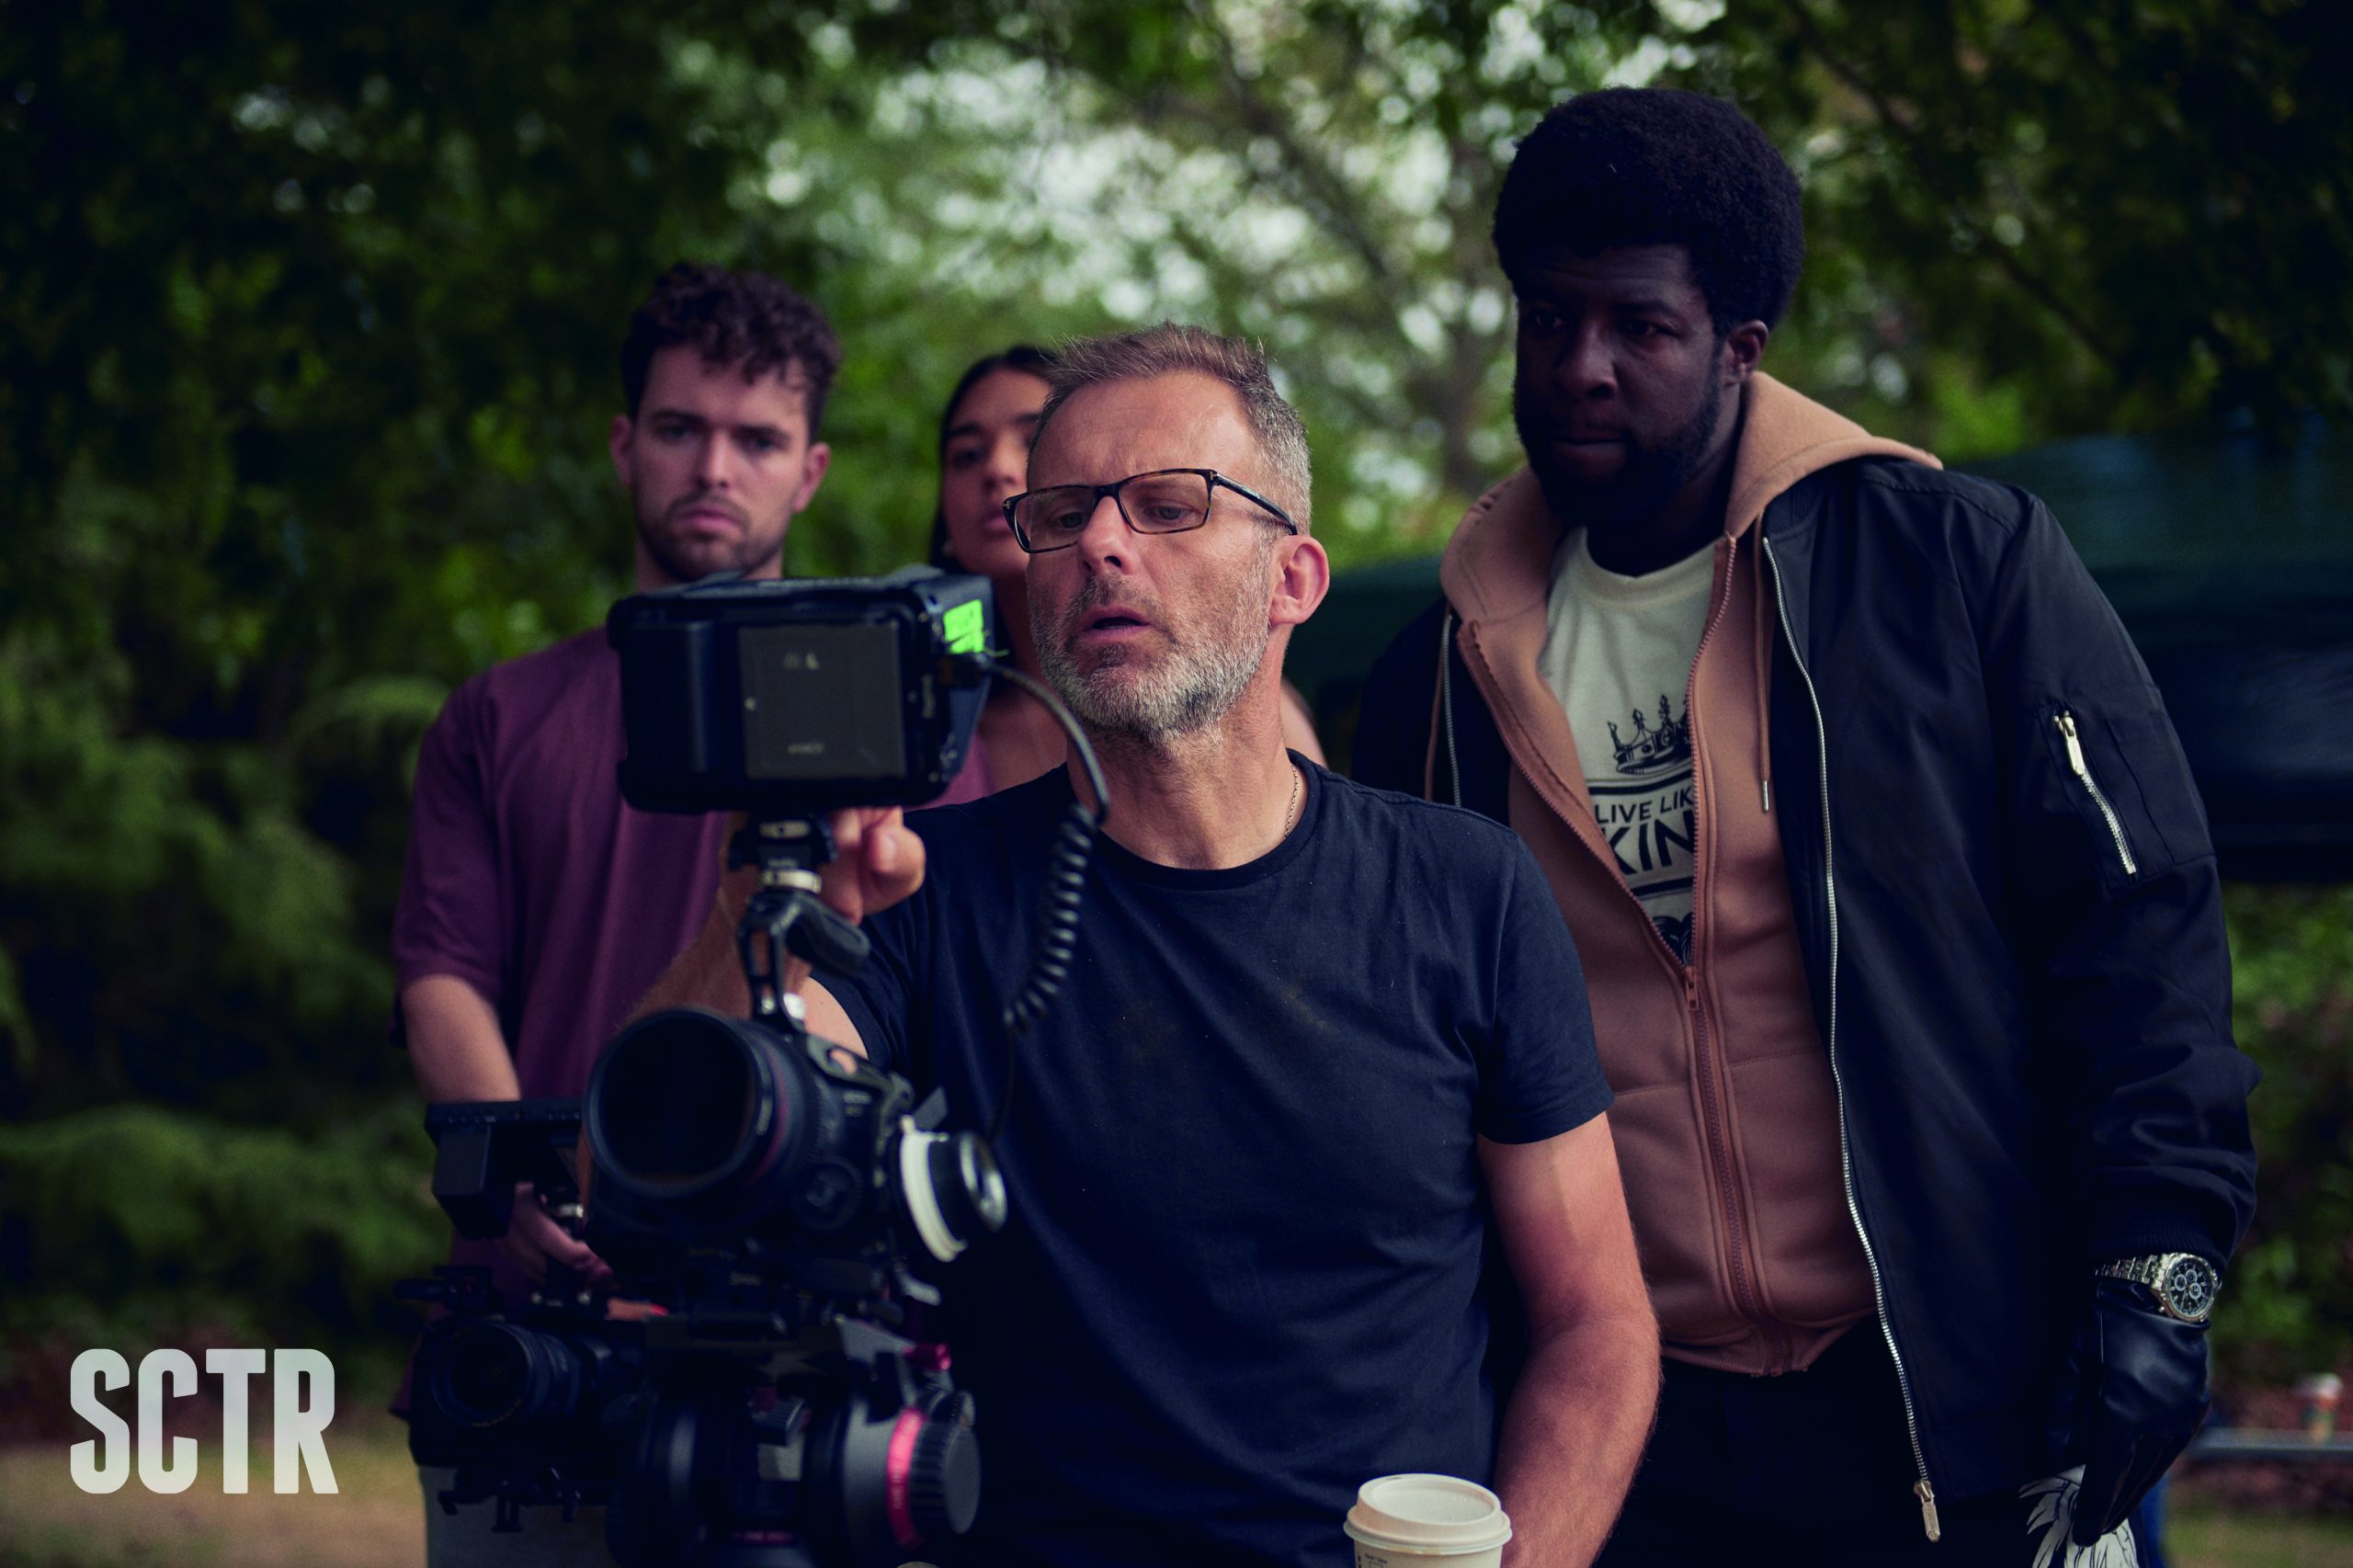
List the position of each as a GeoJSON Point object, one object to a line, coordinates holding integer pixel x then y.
{"type": "Point", "coordinates": [1928, 1496]}
{"type": "Point", "coordinates": [2075, 746]}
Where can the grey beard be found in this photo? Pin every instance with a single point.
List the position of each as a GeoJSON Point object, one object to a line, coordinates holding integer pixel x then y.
{"type": "Point", "coordinates": [1193, 688]}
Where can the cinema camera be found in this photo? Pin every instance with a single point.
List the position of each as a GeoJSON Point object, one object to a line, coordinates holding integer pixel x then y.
{"type": "Point", "coordinates": [759, 1389]}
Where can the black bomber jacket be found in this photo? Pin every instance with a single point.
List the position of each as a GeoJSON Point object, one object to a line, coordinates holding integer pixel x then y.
{"type": "Point", "coordinates": [2010, 916]}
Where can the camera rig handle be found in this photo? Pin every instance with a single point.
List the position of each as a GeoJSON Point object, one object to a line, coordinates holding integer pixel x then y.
{"type": "Point", "coordinates": [483, 1147]}
{"type": "Point", "coordinates": [786, 916]}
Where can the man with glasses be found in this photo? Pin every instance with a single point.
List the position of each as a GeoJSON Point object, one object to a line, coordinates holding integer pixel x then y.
{"type": "Point", "coordinates": [1295, 1068]}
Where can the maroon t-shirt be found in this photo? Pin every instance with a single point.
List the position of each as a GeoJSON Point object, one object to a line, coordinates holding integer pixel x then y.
{"type": "Point", "coordinates": [532, 880]}
{"type": "Point", "coordinates": [529, 879]}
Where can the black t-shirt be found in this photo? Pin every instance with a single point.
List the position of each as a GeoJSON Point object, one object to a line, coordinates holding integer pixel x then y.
{"type": "Point", "coordinates": [1241, 1275]}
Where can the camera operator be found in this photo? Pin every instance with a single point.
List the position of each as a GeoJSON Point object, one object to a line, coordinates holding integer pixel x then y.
{"type": "Point", "coordinates": [1314, 1035]}
{"type": "Point", "coordinates": [984, 435]}
{"type": "Point", "coordinates": [536, 904]}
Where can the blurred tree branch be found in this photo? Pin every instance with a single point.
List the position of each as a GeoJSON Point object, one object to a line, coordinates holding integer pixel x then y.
{"type": "Point", "coordinates": [312, 315]}
{"type": "Point", "coordinates": [1907, 130]}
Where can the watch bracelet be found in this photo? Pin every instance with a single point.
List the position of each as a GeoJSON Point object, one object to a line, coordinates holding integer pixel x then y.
{"type": "Point", "coordinates": [2149, 1270]}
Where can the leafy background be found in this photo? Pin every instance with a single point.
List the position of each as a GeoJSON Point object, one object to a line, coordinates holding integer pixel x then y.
{"type": "Point", "coordinates": [309, 315]}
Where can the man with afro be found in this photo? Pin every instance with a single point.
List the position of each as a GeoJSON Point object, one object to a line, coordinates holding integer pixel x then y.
{"type": "Point", "coordinates": [1893, 895]}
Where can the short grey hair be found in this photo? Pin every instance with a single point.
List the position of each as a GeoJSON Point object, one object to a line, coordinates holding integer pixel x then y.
{"type": "Point", "coordinates": [1170, 349]}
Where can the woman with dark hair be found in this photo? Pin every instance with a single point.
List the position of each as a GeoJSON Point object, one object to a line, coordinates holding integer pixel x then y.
{"type": "Point", "coordinates": [984, 435]}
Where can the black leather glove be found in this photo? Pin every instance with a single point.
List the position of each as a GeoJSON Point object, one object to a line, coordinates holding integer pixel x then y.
{"type": "Point", "coordinates": [2132, 1394]}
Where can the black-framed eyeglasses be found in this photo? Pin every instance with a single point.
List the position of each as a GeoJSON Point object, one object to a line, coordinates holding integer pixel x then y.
{"type": "Point", "coordinates": [1165, 501]}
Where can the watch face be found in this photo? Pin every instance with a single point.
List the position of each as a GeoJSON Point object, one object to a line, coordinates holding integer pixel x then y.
{"type": "Point", "coordinates": [2189, 1285]}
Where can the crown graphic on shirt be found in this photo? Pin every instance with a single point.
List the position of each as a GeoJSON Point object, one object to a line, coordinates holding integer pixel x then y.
{"type": "Point", "coordinates": [1651, 749]}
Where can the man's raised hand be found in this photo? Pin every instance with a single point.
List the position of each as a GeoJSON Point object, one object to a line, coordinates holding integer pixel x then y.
{"type": "Point", "coordinates": [877, 861]}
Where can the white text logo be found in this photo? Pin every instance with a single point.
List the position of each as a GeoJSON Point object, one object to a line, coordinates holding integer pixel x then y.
{"type": "Point", "coordinates": [103, 1464]}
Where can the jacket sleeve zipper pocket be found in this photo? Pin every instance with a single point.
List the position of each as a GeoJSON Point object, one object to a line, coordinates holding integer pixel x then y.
{"type": "Point", "coordinates": [2083, 770]}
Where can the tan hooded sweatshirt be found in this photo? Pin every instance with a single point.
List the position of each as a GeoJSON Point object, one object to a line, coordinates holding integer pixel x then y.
{"type": "Point", "coordinates": [1726, 1121]}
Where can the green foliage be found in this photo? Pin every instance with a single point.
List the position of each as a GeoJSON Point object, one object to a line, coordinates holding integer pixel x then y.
{"type": "Point", "coordinates": [131, 1221]}
{"type": "Point", "coordinates": [312, 315]}
{"type": "Point", "coordinates": [2198, 1531]}
{"type": "Point", "coordinates": [2123, 216]}
{"type": "Point", "coordinates": [312, 311]}
{"type": "Point", "coordinates": [1317, 177]}
{"type": "Point", "coordinates": [2288, 1303]}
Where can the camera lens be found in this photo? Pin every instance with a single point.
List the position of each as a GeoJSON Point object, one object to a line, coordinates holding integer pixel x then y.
{"type": "Point", "coordinates": [707, 1117]}
{"type": "Point", "coordinates": [492, 1374]}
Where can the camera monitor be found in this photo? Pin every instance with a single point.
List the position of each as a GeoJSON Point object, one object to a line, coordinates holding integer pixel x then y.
{"type": "Point", "coordinates": [785, 698]}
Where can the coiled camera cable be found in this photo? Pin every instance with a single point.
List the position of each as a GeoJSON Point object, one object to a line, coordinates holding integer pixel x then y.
{"type": "Point", "coordinates": [1067, 862]}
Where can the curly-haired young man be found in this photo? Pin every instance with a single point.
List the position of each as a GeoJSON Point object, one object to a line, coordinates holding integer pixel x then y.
{"type": "Point", "coordinates": [537, 906]}
{"type": "Point", "coordinates": [1893, 895]}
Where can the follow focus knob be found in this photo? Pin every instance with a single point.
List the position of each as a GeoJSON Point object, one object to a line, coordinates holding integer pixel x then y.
{"type": "Point", "coordinates": [944, 1480]}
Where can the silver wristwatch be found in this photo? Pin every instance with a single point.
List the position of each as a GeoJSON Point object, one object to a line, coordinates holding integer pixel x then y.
{"type": "Point", "coordinates": [2183, 1282]}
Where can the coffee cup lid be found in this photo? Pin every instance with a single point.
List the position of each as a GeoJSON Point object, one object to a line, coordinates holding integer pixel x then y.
{"type": "Point", "coordinates": [1442, 1512]}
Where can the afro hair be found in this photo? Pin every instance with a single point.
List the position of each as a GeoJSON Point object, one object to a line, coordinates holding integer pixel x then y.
{"type": "Point", "coordinates": [1655, 165]}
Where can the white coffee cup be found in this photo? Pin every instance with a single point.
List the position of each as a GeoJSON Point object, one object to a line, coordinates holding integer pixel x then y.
{"type": "Point", "coordinates": [1415, 1521]}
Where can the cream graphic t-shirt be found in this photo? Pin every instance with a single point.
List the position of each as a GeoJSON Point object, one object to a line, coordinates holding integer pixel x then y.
{"type": "Point", "coordinates": [1618, 654]}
